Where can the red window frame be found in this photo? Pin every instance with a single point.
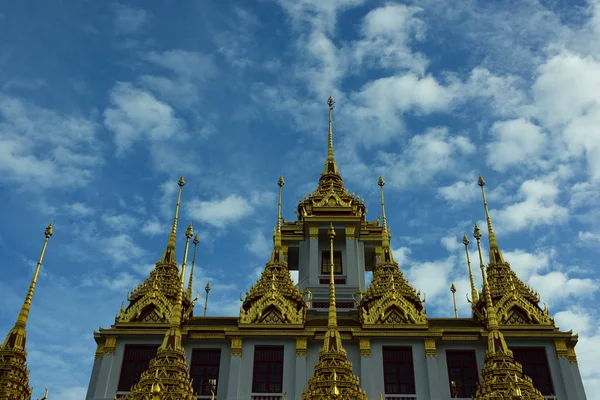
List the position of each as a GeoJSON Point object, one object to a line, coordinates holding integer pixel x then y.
{"type": "Point", "coordinates": [337, 263]}
{"type": "Point", "coordinates": [462, 369]}
{"type": "Point", "coordinates": [267, 375]}
{"type": "Point", "coordinates": [136, 359]}
{"type": "Point", "coordinates": [204, 370]}
{"type": "Point", "coordinates": [398, 370]}
{"type": "Point", "coordinates": [535, 365]}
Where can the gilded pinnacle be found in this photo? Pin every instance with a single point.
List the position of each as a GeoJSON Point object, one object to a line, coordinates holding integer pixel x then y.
{"type": "Point", "coordinates": [331, 232]}
{"type": "Point", "coordinates": [207, 287]}
{"type": "Point", "coordinates": [330, 102]}
{"type": "Point", "coordinates": [453, 288]}
{"type": "Point", "coordinates": [381, 182]}
{"type": "Point", "coordinates": [181, 182]}
{"type": "Point", "coordinates": [476, 232]}
{"type": "Point", "coordinates": [196, 240]}
{"type": "Point", "coordinates": [49, 230]}
{"type": "Point", "coordinates": [189, 232]}
{"type": "Point", "coordinates": [480, 181]}
{"type": "Point", "coordinates": [465, 240]}
{"type": "Point", "coordinates": [280, 182]}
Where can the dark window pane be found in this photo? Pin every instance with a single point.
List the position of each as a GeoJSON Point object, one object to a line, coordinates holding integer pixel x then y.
{"type": "Point", "coordinates": [462, 370]}
{"type": "Point", "coordinates": [135, 361]}
{"type": "Point", "coordinates": [205, 370]}
{"type": "Point", "coordinates": [398, 370]}
{"type": "Point", "coordinates": [535, 365]}
{"type": "Point", "coordinates": [268, 369]}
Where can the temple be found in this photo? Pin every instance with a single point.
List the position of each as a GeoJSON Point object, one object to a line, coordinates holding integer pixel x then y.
{"type": "Point", "coordinates": [330, 336]}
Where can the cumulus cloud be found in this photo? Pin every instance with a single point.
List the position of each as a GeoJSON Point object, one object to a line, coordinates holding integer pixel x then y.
{"type": "Point", "coordinates": [259, 244]}
{"type": "Point", "coordinates": [516, 142]}
{"type": "Point", "coordinates": [219, 212]}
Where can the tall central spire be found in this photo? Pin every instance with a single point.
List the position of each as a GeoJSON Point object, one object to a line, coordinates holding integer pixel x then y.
{"type": "Point", "coordinates": [496, 256]}
{"type": "Point", "coordinates": [14, 377]}
{"type": "Point", "coordinates": [169, 254]}
{"type": "Point", "coordinates": [332, 317]}
{"type": "Point", "coordinates": [330, 165]}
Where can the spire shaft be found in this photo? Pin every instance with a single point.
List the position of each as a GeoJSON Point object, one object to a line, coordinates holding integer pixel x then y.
{"type": "Point", "coordinates": [332, 318]}
{"type": "Point", "coordinates": [190, 284]}
{"type": "Point", "coordinates": [330, 165]}
{"type": "Point", "coordinates": [492, 318]}
{"type": "Point", "coordinates": [381, 182]}
{"type": "Point", "coordinates": [474, 296]}
{"type": "Point", "coordinates": [24, 313]}
{"type": "Point", "coordinates": [495, 253]}
{"type": "Point", "coordinates": [169, 254]}
{"type": "Point", "coordinates": [280, 183]}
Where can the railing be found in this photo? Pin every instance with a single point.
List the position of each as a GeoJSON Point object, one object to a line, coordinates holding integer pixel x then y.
{"type": "Point", "coordinates": [266, 397]}
{"type": "Point", "coordinates": [404, 397]}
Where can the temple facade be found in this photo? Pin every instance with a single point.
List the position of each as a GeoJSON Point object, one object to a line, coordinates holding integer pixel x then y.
{"type": "Point", "coordinates": [330, 336]}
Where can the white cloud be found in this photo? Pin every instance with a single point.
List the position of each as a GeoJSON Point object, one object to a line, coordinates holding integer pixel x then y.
{"type": "Point", "coordinates": [537, 207]}
{"type": "Point", "coordinates": [452, 243]}
{"type": "Point", "coordinates": [40, 148]}
{"type": "Point", "coordinates": [135, 114]}
{"type": "Point", "coordinates": [459, 191]}
{"type": "Point", "coordinates": [419, 276]}
{"type": "Point", "coordinates": [187, 64]}
{"type": "Point", "coordinates": [259, 245]}
{"type": "Point", "coordinates": [516, 142]}
{"type": "Point", "coordinates": [79, 209]}
{"type": "Point", "coordinates": [556, 286]}
{"type": "Point", "coordinates": [589, 237]}
{"type": "Point", "coordinates": [154, 227]}
{"type": "Point", "coordinates": [120, 248]}
{"type": "Point", "coordinates": [427, 155]}
{"type": "Point", "coordinates": [321, 15]}
{"type": "Point", "coordinates": [119, 222]}
{"type": "Point", "coordinates": [219, 212]}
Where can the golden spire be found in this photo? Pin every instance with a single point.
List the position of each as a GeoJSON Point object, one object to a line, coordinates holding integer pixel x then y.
{"type": "Point", "coordinates": [169, 254]}
{"type": "Point", "coordinates": [174, 377]}
{"type": "Point", "coordinates": [280, 183]}
{"type": "Point", "coordinates": [190, 284]}
{"type": "Point", "coordinates": [499, 366]}
{"type": "Point", "coordinates": [495, 253]}
{"type": "Point", "coordinates": [453, 290]}
{"type": "Point", "coordinates": [14, 376]}
{"type": "Point", "coordinates": [16, 336]}
{"type": "Point", "coordinates": [330, 165]}
{"type": "Point", "coordinates": [276, 255]}
{"type": "Point", "coordinates": [333, 375]}
{"type": "Point", "coordinates": [332, 318]}
{"type": "Point", "coordinates": [381, 182]}
{"type": "Point", "coordinates": [474, 296]}
{"type": "Point", "coordinates": [385, 245]}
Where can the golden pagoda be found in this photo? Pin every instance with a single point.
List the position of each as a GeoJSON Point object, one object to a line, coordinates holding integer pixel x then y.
{"type": "Point", "coordinates": [14, 376]}
{"type": "Point", "coordinates": [332, 336]}
{"type": "Point", "coordinates": [333, 377]}
{"type": "Point", "coordinates": [168, 375]}
{"type": "Point", "coordinates": [502, 377]}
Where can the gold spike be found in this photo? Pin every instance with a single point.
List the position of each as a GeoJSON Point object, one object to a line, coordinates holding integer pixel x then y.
{"type": "Point", "coordinates": [335, 390]}
{"type": "Point", "coordinates": [207, 289]}
{"type": "Point", "coordinates": [169, 254]}
{"type": "Point", "coordinates": [332, 320]}
{"type": "Point", "coordinates": [453, 290]}
{"type": "Point", "coordinates": [492, 319]}
{"type": "Point", "coordinates": [381, 182]}
{"type": "Point", "coordinates": [190, 284]}
{"type": "Point", "coordinates": [45, 397]}
{"type": "Point", "coordinates": [16, 336]}
{"type": "Point", "coordinates": [474, 295]}
{"type": "Point", "coordinates": [330, 165]}
{"type": "Point", "coordinates": [496, 256]}
{"type": "Point", "coordinates": [280, 183]}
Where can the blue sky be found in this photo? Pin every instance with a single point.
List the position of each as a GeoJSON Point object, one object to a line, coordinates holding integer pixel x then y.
{"type": "Point", "coordinates": [104, 105]}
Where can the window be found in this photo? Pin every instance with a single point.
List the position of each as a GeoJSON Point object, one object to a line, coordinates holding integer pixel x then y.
{"type": "Point", "coordinates": [462, 369]}
{"type": "Point", "coordinates": [135, 361]}
{"type": "Point", "coordinates": [205, 371]}
{"type": "Point", "coordinates": [337, 262]}
{"type": "Point", "coordinates": [535, 365]}
{"type": "Point", "coordinates": [268, 369]}
{"type": "Point", "coordinates": [398, 370]}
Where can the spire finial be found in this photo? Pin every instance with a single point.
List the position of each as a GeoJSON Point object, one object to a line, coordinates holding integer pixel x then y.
{"type": "Point", "coordinates": [381, 183]}
{"type": "Point", "coordinates": [474, 296]}
{"type": "Point", "coordinates": [190, 284]}
{"type": "Point", "coordinates": [453, 291]}
{"type": "Point", "coordinates": [169, 254]}
{"type": "Point", "coordinates": [332, 320]}
{"type": "Point", "coordinates": [207, 290]}
{"type": "Point", "coordinates": [495, 253]}
{"type": "Point", "coordinates": [280, 183]}
{"type": "Point", "coordinates": [330, 165]}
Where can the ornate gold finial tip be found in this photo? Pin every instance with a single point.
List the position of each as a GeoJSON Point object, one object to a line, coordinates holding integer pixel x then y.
{"type": "Point", "coordinates": [280, 182]}
{"type": "Point", "coordinates": [196, 239]}
{"type": "Point", "coordinates": [453, 288]}
{"type": "Point", "coordinates": [331, 231]}
{"type": "Point", "coordinates": [49, 230]}
{"type": "Point", "coordinates": [465, 240]}
{"type": "Point", "coordinates": [480, 181]}
{"type": "Point", "coordinates": [189, 232]}
{"type": "Point", "coordinates": [381, 182]}
{"type": "Point", "coordinates": [330, 102]}
{"type": "Point", "coordinates": [207, 287]}
{"type": "Point", "coordinates": [476, 232]}
{"type": "Point", "coordinates": [181, 181]}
